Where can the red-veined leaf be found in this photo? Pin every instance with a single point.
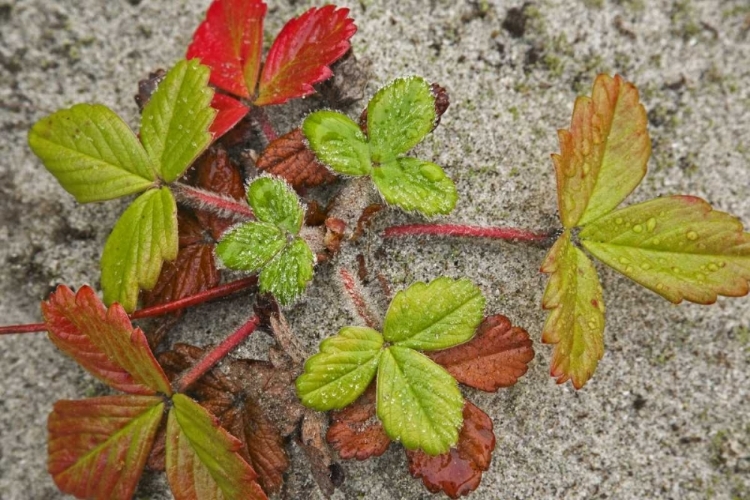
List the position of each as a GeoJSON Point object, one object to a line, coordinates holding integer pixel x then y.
{"type": "Point", "coordinates": [289, 157]}
{"type": "Point", "coordinates": [203, 462]}
{"type": "Point", "coordinates": [98, 447]}
{"type": "Point", "coordinates": [103, 341]}
{"type": "Point", "coordinates": [229, 113]}
{"type": "Point", "coordinates": [230, 42]}
{"type": "Point", "coordinates": [356, 432]}
{"type": "Point", "coordinates": [302, 52]}
{"type": "Point", "coordinates": [459, 471]}
{"type": "Point", "coordinates": [497, 356]}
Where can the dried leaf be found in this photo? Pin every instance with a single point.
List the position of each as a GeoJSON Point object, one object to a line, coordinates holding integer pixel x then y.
{"type": "Point", "coordinates": [192, 272]}
{"type": "Point", "coordinates": [356, 432]}
{"type": "Point", "coordinates": [459, 471]}
{"type": "Point", "coordinates": [147, 87]}
{"type": "Point", "coordinates": [289, 157]}
{"type": "Point", "coordinates": [497, 356]}
{"type": "Point", "coordinates": [318, 454]}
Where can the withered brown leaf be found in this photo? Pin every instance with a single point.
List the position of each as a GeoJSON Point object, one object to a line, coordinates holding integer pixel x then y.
{"type": "Point", "coordinates": [356, 432]}
{"type": "Point", "coordinates": [289, 158]}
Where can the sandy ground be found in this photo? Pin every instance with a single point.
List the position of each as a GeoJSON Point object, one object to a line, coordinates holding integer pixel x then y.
{"type": "Point", "coordinates": [666, 415]}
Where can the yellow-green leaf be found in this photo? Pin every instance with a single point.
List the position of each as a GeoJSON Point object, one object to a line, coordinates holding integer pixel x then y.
{"type": "Point", "coordinates": [338, 142]}
{"type": "Point", "coordinates": [576, 319]}
{"type": "Point", "coordinates": [287, 274]}
{"type": "Point", "coordinates": [677, 246]}
{"type": "Point", "coordinates": [413, 184]}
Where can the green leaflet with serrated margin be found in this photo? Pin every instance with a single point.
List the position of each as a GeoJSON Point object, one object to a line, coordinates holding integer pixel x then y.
{"type": "Point", "coordinates": [338, 142]}
{"type": "Point", "coordinates": [413, 184]}
{"type": "Point", "coordinates": [273, 201]}
{"type": "Point", "coordinates": [287, 274]}
{"type": "Point", "coordinates": [248, 247]}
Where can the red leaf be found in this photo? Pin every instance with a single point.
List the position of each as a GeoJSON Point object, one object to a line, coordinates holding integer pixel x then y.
{"type": "Point", "coordinates": [192, 272]}
{"type": "Point", "coordinates": [230, 112]}
{"type": "Point", "coordinates": [230, 42]}
{"type": "Point", "coordinates": [496, 357]}
{"type": "Point", "coordinates": [301, 54]}
{"type": "Point", "coordinates": [459, 471]}
{"type": "Point", "coordinates": [356, 432]}
{"type": "Point", "coordinates": [103, 341]}
{"type": "Point", "coordinates": [290, 158]}
{"type": "Point", "coordinates": [98, 447]}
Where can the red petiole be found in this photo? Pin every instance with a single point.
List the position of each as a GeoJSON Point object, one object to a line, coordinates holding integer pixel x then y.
{"type": "Point", "coordinates": [498, 233]}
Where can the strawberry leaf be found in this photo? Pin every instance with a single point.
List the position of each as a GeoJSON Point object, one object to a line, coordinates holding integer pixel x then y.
{"type": "Point", "coordinates": [288, 157]}
{"type": "Point", "coordinates": [399, 116]}
{"type": "Point", "coordinates": [338, 142]}
{"type": "Point", "coordinates": [250, 246]}
{"type": "Point", "coordinates": [175, 122]}
{"type": "Point", "coordinates": [229, 112]}
{"type": "Point", "coordinates": [274, 202]}
{"type": "Point", "coordinates": [98, 447]}
{"type": "Point", "coordinates": [144, 236]}
{"type": "Point", "coordinates": [92, 153]}
{"type": "Point", "coordinates": [419, 402]}
{"type": "Point", "coordinates": [302, 52]}
{"type": "Point", "coordinates": [288, 273]}
{"type": "Point", "coordinates": [192, 272]}
{"type": "Point", "coordinates": [604, 154]}
{"type": "Point", "coordinates": [497, 356]}
{"type": "Point", "coordinates": [103, 341]}
{"type": "Point", "coordinates": [459, 471]}
{"type": "Point", "coordinates": [413, 184]}
{"type": "Point", "coordinates": [230, 42]}
{"type": "Point", "coordinates": [355, 431]}
{"type": "Point", "coordinates": [576, 320]}
{"type": "Point", "coordinates": [677, 246]}
{"type": "Point", "coordinates": [203, 462]}
{"type": "Point", "coordinates": [441, 314]}
{"type": "Point", "coordinates": [342, 370]}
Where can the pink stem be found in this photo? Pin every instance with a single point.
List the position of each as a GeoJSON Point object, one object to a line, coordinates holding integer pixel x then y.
{"type": "Point", "coordinates": [201, 199]}
{"type": "Point", "coordinates": [360, 304]}
{"type": "Point", "coordinates": [265, 124]}
{"type": "Point", "coordinates": [217, 354]}
{"type": "Point", "coordinates": [30, 328]}
{"type": "Point", "coordinates": [500, 233]}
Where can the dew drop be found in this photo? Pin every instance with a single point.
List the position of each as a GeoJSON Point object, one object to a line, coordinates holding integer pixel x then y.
{"type": "Point", "coordinates": [638, 228]}
{"type": "Point", "coordinates": [713, 267]}
{"type": "Point", "coordinates": [431, 172]}
{"type": "Point", "coordinates": [692, 235]}
{"type": "Point", "coordinates": [651, 224]}
{"type": "Point", "coordinates": [659, 286]}
{"type": "Point", "coordinates": [645, 266]}
{"type": "Point", "coordinates": [623, 260]}
{"type": "Point", "coordinates": [657, 241]}
{"type": "Point", "coordinates": [618, 221]}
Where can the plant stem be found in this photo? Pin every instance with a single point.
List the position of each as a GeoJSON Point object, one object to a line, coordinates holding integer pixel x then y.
{"type": "Point", "coordinates": [150, 312]}
{"type": "Point", "coordinates": [215, 355]}
{"type": "Point", "coordinates": [499, 233]}
{"type": "Point", "coordinates": [201, 199]}
{"type": "Point", "coordinates": [265, 124]}
{"type": "Point", "coordinates": [358, 300]}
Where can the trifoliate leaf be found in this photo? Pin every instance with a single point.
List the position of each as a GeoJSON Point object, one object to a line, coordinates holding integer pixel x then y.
{"type": "Point", "coordinates": [342, 370]}
{"type": "Point", "coordinates": [355, 431]}
{"type": "Point", "coordinates": [143, 237]}
{"type": "Point", "coordinates": [103, 341]}
{"type": "Point", "coordinates": [98, 447]}
{"type": "Point", "coordinates": [677, 246]}
{"type": "Point", "coordinates": [338, 142]}
{"type": "Point", "coordinates": [203, 462]}
{"type": "Point", "coordinates": [399, 116]}
{"type": "Point", "coordinates": [289, 157]}
{"type": "Point", "coordinates": [414, 184]}
{"type": "Point", "coordinates": [576, 320]}
{"type": "Point", "coordinates": [604, 154]}
{"type": "Point", "coordinates": [92, 153]}
{"type": "Point", "coordinates": [287, 275]}
{"type": "Point", "coordinates": [250, 246]}
{"type": "Point", "coordinates": [175, 122]}
{"type": "Point", "coordinates": [419, 402]}
{"type": "Point", "coordinates": [441, 314]}
{"type": "Point", "coordinates": [273, 201]}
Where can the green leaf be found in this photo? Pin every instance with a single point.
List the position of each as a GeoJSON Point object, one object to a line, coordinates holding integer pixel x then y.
{"type": "Point", "coordinates": [338, 142]}
{"type": "Point", "coordinates": [92, 153]}
{"type": "Point", "coordinates": [143, 237]}
{"type": "Point", "coordinates": [399, 116]}
{"type": "Point", "coordinates": [419, 402]}
{"type": "Point", "coordinates": [273, 201]}
{"type": "Point", "coordinates": [443, 313]}
{"type": "Point", "coordinates": [98, 447]}
{"type": "Point", "coordinates": [250, 246]}
{"type": "Point", "coordinates": [175, 122]}
{"type": "Point", "coordinates": [287, 275]}
{"type": "Point", "coordinates": [414, 184]}
{"type": "Point", "coordinates": [342, 370]}
{"type": "Point", "coordinates": [603, 156]}
{"type": "Point", "coordinates": [677, 246]}
{"type": "Point", "coordinates": [203, 462]}
{"type": "Point", "coordinates": [576, 320]}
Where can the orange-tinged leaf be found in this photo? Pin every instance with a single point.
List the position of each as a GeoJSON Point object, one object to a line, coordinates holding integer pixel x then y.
{"type": "Point", "coordinates": [230, 42]}
{"type": "Point", "coordinates": [459, 471]}
{"type": "Point", "coordinates": [677, 246]}
{"type": "Point", "coordinates": [103, 341]}
{"type": "Point", "coordinates": [203, 462]}
{"type": "Point", "coordinates": [603, 155]}
{"type": "Point", "coordinates": [289, 157]}
{"type": "Point", "coordinates": [576, 319]}
{"type": "Point", "coordinates": [98, 447]}
{"type": "Point", "coordinates": [229, 112]}
{"type": "Point", "coordinates": [356, 432]}
{"type": "Point", "coordinates": [302, 52]}
{"type": "Point", "coordinates": [497, 356]}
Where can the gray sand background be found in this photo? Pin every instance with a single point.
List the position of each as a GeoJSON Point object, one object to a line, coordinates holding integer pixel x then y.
{"type": "Point", "coordinates": [667, 414]}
